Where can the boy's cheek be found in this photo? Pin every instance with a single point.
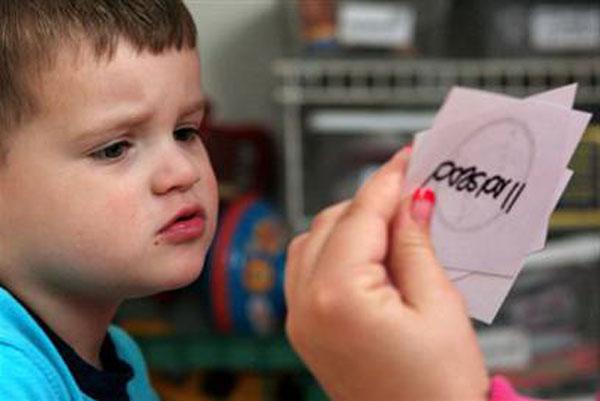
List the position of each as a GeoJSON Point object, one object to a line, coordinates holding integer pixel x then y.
{"type": "Point", "coordinates": [123, 209]}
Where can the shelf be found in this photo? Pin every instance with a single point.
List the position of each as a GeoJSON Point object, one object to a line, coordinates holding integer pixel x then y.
{"type": "Point", "coordinates": [584, 397]}
{"type": "Point", "coordinates": [575, 219]}
{"type": "Point", "coordinates": [421, 82]}
{"type": "Point", "coordinates": [360, 122]}
{"type": "Point", "coordinates": [186, 353]}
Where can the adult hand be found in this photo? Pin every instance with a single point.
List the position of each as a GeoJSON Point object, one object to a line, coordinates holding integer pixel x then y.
{"type": "Point", "coordinates": [370, 309]}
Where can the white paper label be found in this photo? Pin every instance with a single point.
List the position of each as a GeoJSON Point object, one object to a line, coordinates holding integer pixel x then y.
{"type": "Point", "coordinates": [556, 28]}
{"type": "Point", "coordinates": [376, 24]}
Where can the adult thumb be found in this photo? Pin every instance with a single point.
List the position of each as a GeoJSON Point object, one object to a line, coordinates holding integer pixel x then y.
{"type": "Point", "coordinates": [412, 263]}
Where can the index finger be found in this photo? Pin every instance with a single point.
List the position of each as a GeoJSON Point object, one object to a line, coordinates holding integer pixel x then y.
{"type": "Point", "coordinates": [361, 235]}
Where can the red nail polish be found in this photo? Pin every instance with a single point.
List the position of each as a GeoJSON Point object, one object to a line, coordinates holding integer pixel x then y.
{"type": "Point", "coordinates": [423, 201]}
{"type": "Point", "coordinates": [424, 194]}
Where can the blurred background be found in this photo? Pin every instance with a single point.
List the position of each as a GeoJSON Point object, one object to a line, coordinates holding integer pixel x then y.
{"type": "Point", "coordinates": [307, 98]}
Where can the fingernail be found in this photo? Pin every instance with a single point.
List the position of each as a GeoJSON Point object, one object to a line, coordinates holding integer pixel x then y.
{"type": "Point", "coordinates": [408, 149]}
{"type": "Point", "coordinates": [423, 200]}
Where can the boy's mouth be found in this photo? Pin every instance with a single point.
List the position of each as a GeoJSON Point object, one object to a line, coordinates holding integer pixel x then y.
{"type": "Point", "coordinates": [186, 225]}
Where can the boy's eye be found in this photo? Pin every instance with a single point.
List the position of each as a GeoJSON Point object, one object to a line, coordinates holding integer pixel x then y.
{"type": "Point", "coordinates": [186, 134]}
{"type": "Point", "coordinates": [112, 151]}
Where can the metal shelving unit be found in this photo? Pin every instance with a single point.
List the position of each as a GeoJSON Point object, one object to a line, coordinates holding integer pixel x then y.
{"type": "Point", "coordinates": [426, 81]}
{"type": "Point", "coordinates": [404, 85]}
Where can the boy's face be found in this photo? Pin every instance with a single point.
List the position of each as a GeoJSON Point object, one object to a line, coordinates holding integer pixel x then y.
{"type": "Point", "coordinates": [90, 184]}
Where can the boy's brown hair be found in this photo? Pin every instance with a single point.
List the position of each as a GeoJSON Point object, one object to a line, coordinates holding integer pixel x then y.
{"type": "Point", "coordinates": [33, 32]}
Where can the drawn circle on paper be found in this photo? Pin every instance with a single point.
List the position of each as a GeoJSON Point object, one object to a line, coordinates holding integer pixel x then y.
{"type": "Point", "coordinates": [509, 147]}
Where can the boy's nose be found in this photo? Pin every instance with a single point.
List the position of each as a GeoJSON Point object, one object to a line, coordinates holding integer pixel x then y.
{"type": "Point", "coordinates": [177, 170]}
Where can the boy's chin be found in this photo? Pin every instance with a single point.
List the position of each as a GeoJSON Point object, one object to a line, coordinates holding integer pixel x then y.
{"type": "Point", "coordinates": [177, 280]}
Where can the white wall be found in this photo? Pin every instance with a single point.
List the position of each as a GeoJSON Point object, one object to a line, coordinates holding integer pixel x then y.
{"type": "Point", "coordinates": [238, 41]}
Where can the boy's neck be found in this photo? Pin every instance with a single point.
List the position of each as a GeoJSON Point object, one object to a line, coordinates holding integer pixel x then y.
{"type": "Point", "coordinates": [83, 325]}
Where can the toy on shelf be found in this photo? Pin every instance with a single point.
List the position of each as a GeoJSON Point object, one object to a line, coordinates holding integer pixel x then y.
{"type": "Point", "coordinates": [245, 268]}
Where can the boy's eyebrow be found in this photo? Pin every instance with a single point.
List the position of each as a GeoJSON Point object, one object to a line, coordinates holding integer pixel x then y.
{"type": "Point", "coordinates": [107, 129]}
{"type": "Point", "coordinates": [198, 105]}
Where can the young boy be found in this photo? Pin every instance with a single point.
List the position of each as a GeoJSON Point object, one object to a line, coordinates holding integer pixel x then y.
{"type": "Point", "coordinates": [106, 189]}
{"type": "Point", "coordinates": [107, 193]}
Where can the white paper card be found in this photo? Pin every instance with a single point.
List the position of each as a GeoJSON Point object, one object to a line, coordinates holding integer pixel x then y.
{"type": "Point", "coordinates": [498, 167]}
{"type": "Point", "coordinates": [490, 173]}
